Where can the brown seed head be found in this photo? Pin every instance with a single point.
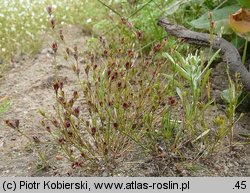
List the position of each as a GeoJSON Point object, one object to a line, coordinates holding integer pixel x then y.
{"type": "Point", "coordinates": [128, 65]}
{"type": "Point", "coordinates": [71, 102]}
{"type": "Point", "coordinates": [75, 95]}
{"type": "Point", "coordinates": [130, 53]}
{"type": "Point", "coordinates": [53, 23]}
{"type": "Point", "coordinates": [61, 140]}
{"type": "Point", "coordinates": [76, 165]}
{"type": "Point", "coordinates": [122, 40]}
{"type": "Point", "coordinates": [119, 84]}
{"type": "Point", "coordinates": [115, 125]}
{"type": "Point", "coordinates": [68, 51]}
{"type": "Point", "coordinates": [76, 54]}
{"type": "Point", "coordinates": [139, 35]}
{"type": "Point", "coordinates": [105, 53]}
{"type": "Point", "coordinates": [55, 122]}
{"type": "Point", "coordinates": [56, 86]}
{"type": "Point", "coordinates": [93, 130]}
{"type": "Point", "coordinates": [49, 10]}
{"type": "Point", "coordinates": [36, 139]}
{"type": "Point", "coordinates": [157, 47]}
{"type": "Point", "coordinates": [83, 155]}
{"type": "Point", "coordinates": [14, 124]}
{"type": "Point", "coordinates": [48, 129]}
{"type": "Point", "coordinates": [123, 20]}
{"type": "Point", "coordinates": [61, 100]}
{"type": "Point", "coordinates": [54, 47]}
{"type": "Point", "coordinates": [61, 35]}
{"type": "Point", "coordinates": [125, 106]}
{"type": "Point", "coordinates": [172, 101]}
{"type": "Point", "coordinates": [61, 85]}
{"type": "Point", "coordinates": [76, 111]}
{"type": "Point", "coordinates": [108, 72]}
{"type": "Point", "coordinates": [102, 40]}
{"type": "Point", "coordinates": [67, 123]}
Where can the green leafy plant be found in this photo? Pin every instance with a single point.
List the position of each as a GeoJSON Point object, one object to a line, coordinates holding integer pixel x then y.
{"type": "Point", "coordinates": [231, 97]}
{"type": "Point", "coordinates": [244, 3]}
{"type": "Point", "coordinates": [196, 78]}
{"type": "Point", "coordinates": [220, 16]}
{"type": "Point", "coordinates": [193, 71]}
{"type": "Point", "coordinates": [228, 19]}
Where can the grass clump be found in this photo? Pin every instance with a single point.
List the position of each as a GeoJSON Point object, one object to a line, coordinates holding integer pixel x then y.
{"type": "Point", "coordinates": [125, 97]}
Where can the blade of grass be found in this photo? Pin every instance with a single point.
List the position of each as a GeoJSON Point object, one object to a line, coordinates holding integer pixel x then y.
{"type": "Point", "coordinates": [244, 53]}
{"type": "Point", "coordinates": [139, 9]}
{"type": "Point", "coordinates": [109, 7]}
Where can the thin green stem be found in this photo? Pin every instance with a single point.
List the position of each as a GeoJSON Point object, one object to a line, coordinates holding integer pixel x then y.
{"type": "Point", "coordinates": [244, 53]}
{"type": "Point", "coordinates": [109, 7]}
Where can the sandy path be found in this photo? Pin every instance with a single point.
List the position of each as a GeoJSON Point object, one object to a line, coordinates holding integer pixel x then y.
{"type": "Point", "coordinates": [28, 85]}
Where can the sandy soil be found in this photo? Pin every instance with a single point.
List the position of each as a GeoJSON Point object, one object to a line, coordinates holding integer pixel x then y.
{"type": "Point", "coordinates": [28, 85]}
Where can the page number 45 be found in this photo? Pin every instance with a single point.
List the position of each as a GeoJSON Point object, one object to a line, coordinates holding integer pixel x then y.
{"type": "Point", "coordinates": [240, 185]}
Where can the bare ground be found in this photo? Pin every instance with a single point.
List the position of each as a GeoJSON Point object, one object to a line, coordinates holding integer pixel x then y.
{"type": "Point", "coordinates": [28, 85]}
